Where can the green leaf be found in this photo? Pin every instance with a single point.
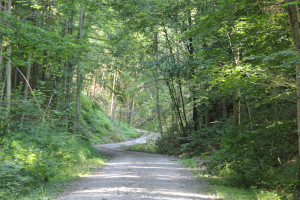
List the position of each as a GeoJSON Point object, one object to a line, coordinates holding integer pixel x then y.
{"type": "Point", "coordinates": [290, 3]}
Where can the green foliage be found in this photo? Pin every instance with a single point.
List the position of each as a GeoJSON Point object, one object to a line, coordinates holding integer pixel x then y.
{"type": "Point", "coordinates": [43, 152]}
{"type": "Point", "coordinates": [253, 157]}
{"type": "Point", "coordinates": [148, 147]}
{"type": "Point", "coordinates": [170, 142]}
{"type": "Point", "coordinates": [36, 157]}
{"type": "Point", "coordinates": [205, 139]}
{"type": "Point", "coordinates": [99, 128]}
{"type": "Point", "coordinates": [221, 189]}
{"type": "Point", "coordinates": [150, 63]}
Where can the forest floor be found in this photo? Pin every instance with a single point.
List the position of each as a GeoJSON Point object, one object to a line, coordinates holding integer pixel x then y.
{"type": "Point", "coordinates": [135, 176]}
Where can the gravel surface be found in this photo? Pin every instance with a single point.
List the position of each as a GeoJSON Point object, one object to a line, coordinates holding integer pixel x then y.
{"type": "Point", "coordinates": [136, 176]}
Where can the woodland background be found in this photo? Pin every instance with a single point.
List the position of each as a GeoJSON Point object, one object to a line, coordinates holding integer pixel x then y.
{"type": "Point", "coordinates": [216, 78]}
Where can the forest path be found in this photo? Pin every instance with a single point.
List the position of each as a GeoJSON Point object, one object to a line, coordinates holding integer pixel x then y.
{"type": "Point", "coordinates": [136, 176]}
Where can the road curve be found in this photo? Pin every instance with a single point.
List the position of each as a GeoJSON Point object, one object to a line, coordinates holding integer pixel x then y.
{"type": "Point", "coordinates": [136, 176]}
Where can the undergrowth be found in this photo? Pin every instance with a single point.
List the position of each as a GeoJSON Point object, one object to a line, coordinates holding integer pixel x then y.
{"type": "Point", "coordinates": [99, 128]}
{"type": "Point", "coordinates": [256, 158]}
{"type": "Point", "coordinates": [220, 188]}
{"type": "Point", "coordinates": [39, 157]}
{"type": "Point", "coordinates": [147, 147]}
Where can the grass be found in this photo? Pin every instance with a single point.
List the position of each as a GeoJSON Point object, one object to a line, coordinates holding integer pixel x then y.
{"type": "Point", "coordinates": [219, 188]}
{"type": "Point", "coordinates": [100, 128]}
{"type": "Point", "coordinates": [148, 148]}
{"type": "Point", "coordinates": [58, 184]}
{"type": "Point", "coordinates": [42, 162]}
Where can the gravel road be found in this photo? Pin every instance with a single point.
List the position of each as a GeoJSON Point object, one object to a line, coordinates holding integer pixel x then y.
{"type": "Point", "coordinates": [136, 176]}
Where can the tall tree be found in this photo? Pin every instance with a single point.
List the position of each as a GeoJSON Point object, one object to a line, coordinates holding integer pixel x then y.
{"type": "Point", "coordinates": [8, 68]}
{"type": "Point", "coordinates": [156, 82]}
{"type": "Point", "coordinates": [294, 17]}
{"type": "Point", "coordinates": [76, 123]}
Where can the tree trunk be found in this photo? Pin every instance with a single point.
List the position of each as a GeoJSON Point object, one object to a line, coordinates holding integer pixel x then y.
{"type": "Point", "coordinates": [15, 79]}
{"type": "Point", "coordinates": [112, 95]}
{"type": "Point", "coordinates": [158, 105]}
{"type": "Point", "coordinates": [120, 116]}
{"type": "Point", "coordinates": [207, 118]}
{"type": "Point", "coordinates": [8, 69]}
{"type": "Point", "coordinates": [192, 71]}
{"type": "Point", "coordinates": [27, 77]}
{"type": "Point", "coordinates": [248, 111]}
{"type": "Point", "coordinates": [1, 59]}
{"type": "Point", "coordinates": [26, 87]}
{"type": "Point", "coordinates": [131, 105]}
{"type": "Point", "coordinates": [132, 112]}
{"type": "Point", "coordinates": [156, 83]}
{"type": "Point", "coordinates": [236, 107]}
{"type": "Point", "coordinates": [182, 102]}
{"type": "Point", "coordinates": [94, 88]}
{"type": "Point", "coordinates": [294, 17]}
{"type": "Point", "coordinates": [114, 110]}
{"type": "Point", "coordinates": [172, 89]}
{"type": "Point", "coordinates": [224, 108]}
{"type": "Point", "coordinates": [102, 82]}
{"type": "Point", "coordinates": [76, 123]}
{"type": "Point", "coordinates": [175, 105]}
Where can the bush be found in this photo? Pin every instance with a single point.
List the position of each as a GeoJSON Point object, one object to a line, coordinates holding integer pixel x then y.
{"type": "Point", "coordinates": [170, 142]}
{"type": "Point", "coordinates": [205, 139]}
{"type": "Point", "coordinates": [254, 157]}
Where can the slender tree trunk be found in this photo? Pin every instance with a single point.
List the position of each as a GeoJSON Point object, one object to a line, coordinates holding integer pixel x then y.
{"type": "Point", "coordinates": [180, 85]}
{"type": "Point", "coordinates": [26, 85]}
{"type": "Point", "coordinates": [175, 104]}
{"type": "Point", "coordinates": [113, 94]}
{"type": "Point", "coordinates": [248, 111]}
{"type": "Point", "coordinates": [131, 105]}
{"type": "Point", "coordinates": [156, 83]}
{"type": "Point", "coordinates": [236, 93]}
{"type": "Point", "coordinates": [158, 108]}
{"type": "Point", "coordinates": [236, 107]}
{"type": "Point", "coordinates": [94, 88]}
{"type": "Point", "coordinates": [132, 112]}
{"type": "Point", "coordinates": [192, 71]}
{"type": "Point", "coordinates": [294, 17]}
{"type": "Point", "coordinates": [15, 79]}
{"type": "Point", "coordinates": [8, 69]}
{"type": "Point", "coordinates": [115, 100]}
{"type": "Point", "coordinates": [102, 82]}
{"type": "Point", "coordinates": [76, 123]}
{"type": "Point", "coordinates": [172, 88]}
{"type": "Point", "coordinates": [224, 108]}
{"type": "Point", "coordinates": [1, 59]}
{"type": "Point", "coordinates": [182, 101]}
{"type": "Point", "coordinates": [120, 116]}
{"type": "Point", "coordinates": [207, 118]}
{"type": "Point", "coordinates": [27, 77]}
{"type": "Point", "coordinates": [114, 110]}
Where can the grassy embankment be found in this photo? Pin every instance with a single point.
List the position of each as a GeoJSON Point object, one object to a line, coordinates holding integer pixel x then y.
{"type": "Point", "coordinates": [217, 186]}
{"type": "Point", "coordinates": [38, 159]}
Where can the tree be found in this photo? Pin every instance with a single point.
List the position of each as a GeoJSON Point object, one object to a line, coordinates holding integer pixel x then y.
{"type": "Point", "coordinates": [294, 17]}
{"type": "Point", "coordinates": [8, 69]}
{"type": "Point", "coordinates": [76, 123]}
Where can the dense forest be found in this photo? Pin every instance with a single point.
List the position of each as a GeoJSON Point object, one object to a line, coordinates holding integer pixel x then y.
{"type": "Point", "coordinates": [217, 79]}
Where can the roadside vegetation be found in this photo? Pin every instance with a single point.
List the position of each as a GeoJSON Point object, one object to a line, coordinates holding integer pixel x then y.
{"type": "Point", "coordinates": [40, 163]}
{"type": "Point", "coordinates": [147, 147]}
{"type": "Point", "coordinates": [218, 79]}
{"type": "Point", "coordinates": [220, 187]}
